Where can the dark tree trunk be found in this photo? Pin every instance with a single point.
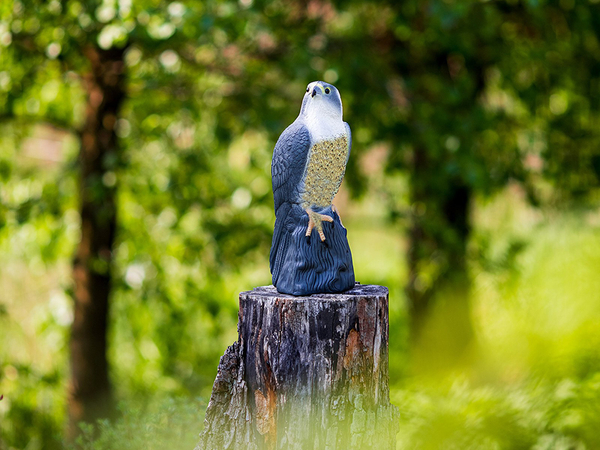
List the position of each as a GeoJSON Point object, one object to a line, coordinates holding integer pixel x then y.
{"type": "Point", "coordinates": [306, 373]}
{"type": "Point", "coordinates": [439, 188]}
{"type": "Point", "coordinates": [437, 254]}
{"type": "Point", "coordinates": [90, 388]}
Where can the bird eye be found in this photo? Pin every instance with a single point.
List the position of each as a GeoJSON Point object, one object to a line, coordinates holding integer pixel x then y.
{"type": "Point", "coordinates": [307, 89]}
{"type": "Point", "coordinates": [327, 91]}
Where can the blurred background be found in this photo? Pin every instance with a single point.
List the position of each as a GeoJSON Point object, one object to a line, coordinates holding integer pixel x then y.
{"type": "Point", "coordinates": [135, 204]}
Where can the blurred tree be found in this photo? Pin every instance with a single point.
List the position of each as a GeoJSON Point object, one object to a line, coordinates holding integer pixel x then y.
{"type": "Point", "coordinates": [168, 103]}
{"type": "Point", "coordinates": [468, 87]}
{"type": "Point", "coordinates": [558, 53]}
{"type": "Point", "coordinates": [456, 145]}
{"type": "Point", "coordinates": [49, 44]}
{"type": "Point", "coordinates": [179, 62]}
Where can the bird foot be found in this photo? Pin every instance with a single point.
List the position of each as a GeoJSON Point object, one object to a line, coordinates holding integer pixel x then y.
{"type": "Point", "coordinates": [315, 220]}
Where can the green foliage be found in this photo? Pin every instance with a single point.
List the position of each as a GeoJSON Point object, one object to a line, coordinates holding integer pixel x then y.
{"type": "Point", "coordinates": [34, 405]}
{"type": "Point", "coordinates": [33, 353]}
{"type": "Point", "coordinates": [548, 416]}
{"type": "Point", "coordinates": [171, 423]}
{"type": "Point", "coordinates": [38, 229]}
{"type": "Point", "coordinates": [441, 97]}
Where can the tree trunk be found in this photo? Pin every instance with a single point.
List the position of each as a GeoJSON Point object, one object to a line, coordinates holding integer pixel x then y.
{"type": "Point", "coordinates": [306, 373]}
{"type": "Point", "coordinates": [90, 389]}
{"type": "Point", "coordinates": [438, 287]}
{"type": "Point", "coordinates": [437, 250]}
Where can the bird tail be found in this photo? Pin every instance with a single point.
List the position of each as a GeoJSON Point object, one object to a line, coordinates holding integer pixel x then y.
{"type": "Point", "coordinates": [303, 265]}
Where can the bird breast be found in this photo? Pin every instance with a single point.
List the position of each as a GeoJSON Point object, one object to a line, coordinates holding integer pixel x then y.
{"type": "Point", "coordinates": [324, 171]}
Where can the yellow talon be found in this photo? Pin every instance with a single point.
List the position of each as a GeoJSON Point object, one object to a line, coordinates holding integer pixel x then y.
{"type": "Point", "coordinates": [315, 220]}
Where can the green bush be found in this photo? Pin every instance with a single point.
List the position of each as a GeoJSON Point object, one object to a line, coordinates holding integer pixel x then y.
{"type": "Point", "coordinates": [173, 423]}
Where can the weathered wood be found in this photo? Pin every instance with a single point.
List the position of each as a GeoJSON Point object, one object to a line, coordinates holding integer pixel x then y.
{"type": "Point", "coordinates": [306, 372]}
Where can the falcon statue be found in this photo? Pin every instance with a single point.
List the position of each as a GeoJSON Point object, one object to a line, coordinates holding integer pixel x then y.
{"type": "Point", "coordinates": [308, 166]}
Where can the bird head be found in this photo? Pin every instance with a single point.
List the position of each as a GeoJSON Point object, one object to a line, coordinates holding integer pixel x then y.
{"type": "Point", "coordinates": [321, 99]}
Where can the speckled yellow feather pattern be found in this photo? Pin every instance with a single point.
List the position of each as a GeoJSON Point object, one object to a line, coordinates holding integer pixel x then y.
{"type": "Point", "coordinates": [324, 171]}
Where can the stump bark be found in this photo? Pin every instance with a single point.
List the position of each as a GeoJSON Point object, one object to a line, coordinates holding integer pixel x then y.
{"type": "Point", "coordinates": [306, 373]}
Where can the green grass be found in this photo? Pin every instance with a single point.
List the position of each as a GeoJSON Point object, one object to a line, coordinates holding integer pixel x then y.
{"type": "Point", "coordinates": [171, 423]}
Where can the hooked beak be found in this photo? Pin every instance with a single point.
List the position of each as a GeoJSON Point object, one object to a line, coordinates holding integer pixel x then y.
{"type": "Point", "coordinates": [314, 91]}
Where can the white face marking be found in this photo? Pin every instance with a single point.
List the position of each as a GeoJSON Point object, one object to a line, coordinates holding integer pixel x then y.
{"type": "Point", "coordinates": [322, 99]}
{"type": "Point", "coordinates": [322, 110]}
{"type": "Point", "coordinates": [324, 127]}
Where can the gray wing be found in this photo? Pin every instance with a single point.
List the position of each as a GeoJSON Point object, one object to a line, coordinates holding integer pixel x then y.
{"type": "Point", "coordinates": [289, 161]}
{"type": "Point", "coordinates": [287, 169]}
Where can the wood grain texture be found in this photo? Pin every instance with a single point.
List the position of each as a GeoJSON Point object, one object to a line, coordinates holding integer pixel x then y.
{"type": "Point", "coordinates": [306, 373]}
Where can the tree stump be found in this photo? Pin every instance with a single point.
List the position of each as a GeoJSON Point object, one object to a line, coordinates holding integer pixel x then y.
{"type": "Point", "coordinates": [306, 373]}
